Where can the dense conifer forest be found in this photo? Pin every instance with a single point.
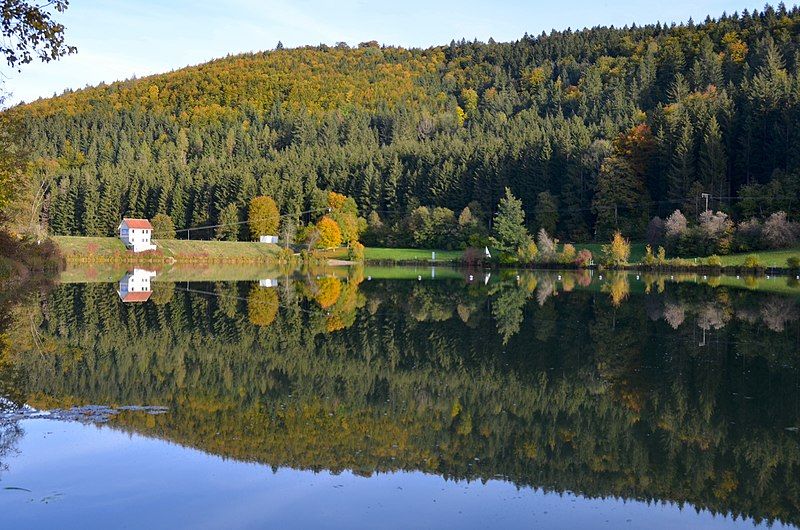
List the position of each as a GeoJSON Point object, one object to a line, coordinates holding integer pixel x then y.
{"type": "Point", "coordinates": [594, 130]}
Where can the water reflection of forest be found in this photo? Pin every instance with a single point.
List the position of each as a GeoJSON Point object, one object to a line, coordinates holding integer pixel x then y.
{"type": "Point", "coordinates": [639, 388]}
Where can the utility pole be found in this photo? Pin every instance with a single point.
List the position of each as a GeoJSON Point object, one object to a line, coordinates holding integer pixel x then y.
{"type": "Point", "coordinates": [706, 197]}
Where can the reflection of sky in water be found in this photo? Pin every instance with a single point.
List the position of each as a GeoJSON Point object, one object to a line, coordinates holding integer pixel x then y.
{"type": "Point", "coordinates": [82, 476]}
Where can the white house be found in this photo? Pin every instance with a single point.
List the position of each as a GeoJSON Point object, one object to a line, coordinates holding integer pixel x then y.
{"type": "Point", "coordinates": [136, 233]}
{"type": "Point", "coordinates": [268, 282]}
{"type": "Point", "coordinates": [135, 286]}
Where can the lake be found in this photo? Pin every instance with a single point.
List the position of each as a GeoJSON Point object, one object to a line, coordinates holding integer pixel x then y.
{"type": "Point", "coordinates": [401, 397]}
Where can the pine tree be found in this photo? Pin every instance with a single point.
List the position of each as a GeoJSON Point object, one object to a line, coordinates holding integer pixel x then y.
{"type": "Point", "coordinates": [228, 219]}
{"type": "Point", "coordinates": [618, 200]}
{"type": "Point", "coordinates": [681, 172]}
{"type": "Point", "coordinates": [713, 162]}
{"type": "Point", "coordinates": [546, 212]}
{"type": "Point", "coordinates": [508, 230]}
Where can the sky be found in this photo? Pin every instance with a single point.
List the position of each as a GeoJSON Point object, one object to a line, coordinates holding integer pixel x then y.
{"type": "Point", "coordinates": [119, 39]}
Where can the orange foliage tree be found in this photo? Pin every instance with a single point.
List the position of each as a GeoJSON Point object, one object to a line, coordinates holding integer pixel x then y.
{"type": "Point", "coordinates": [330, 235]}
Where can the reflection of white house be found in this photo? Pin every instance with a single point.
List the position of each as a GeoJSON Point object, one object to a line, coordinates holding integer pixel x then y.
{"type": "Point", "coordinates": [268, 282]}
{"type": "Point", "coordinates": [135, 286]}
{"type": "Point", "coordinates": [136, 233]}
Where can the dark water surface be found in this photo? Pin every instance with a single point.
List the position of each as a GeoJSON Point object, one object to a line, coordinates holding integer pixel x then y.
{"type": "Point", "coordinates": [371, 398]}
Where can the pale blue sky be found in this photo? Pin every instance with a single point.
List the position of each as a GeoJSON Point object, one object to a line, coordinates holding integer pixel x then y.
{"type": "Point", "coordinates": [117, 39]}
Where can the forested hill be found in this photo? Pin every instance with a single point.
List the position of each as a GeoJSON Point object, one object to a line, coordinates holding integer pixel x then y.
{"type": "Point", "coordinates": [616, 125]}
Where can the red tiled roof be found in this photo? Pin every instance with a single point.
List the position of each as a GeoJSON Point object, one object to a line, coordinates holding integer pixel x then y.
{"type": "Point", "coordinates": [138, 223]}
{"type": "Point", "coordinates": [143, 296]}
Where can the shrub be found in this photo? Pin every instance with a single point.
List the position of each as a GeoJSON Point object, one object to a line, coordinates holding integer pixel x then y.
{"type": "Point", "coordinates": [618, 251]}
{"type": "Point", "coordinates": [474, 256]}
{"type": "Point", "coordinates": [778, 232]}
{"type": "Point", "coordinates": [649, 259]}
{"type": "Point", "coordinates": [568, 253]}
{"type": "Point", "coordinates": [356, 252]}
{"type": "Point", "coordinates": [748, 235]}
{"type": "Point", "coordinates": [547, 246]}
{"type": "Point", "coordinates": [693, 243]}
{"type": "Point", "coordinates": [717, 230]}
{"type": "Point", "coordinates": [714, 261]}
{"type": "Point", "coordinates": [793, 262]}
{"type": "Point", "coordinates": [527, 253]}
{"type": "Point", "coordinates": [583, 258]}
{"type": "Point", "coordinates": [752, 262]}
{"type": "Point", "coordinates": [676, 225]}
{"type": "Point", "coordinates": [662, 255]}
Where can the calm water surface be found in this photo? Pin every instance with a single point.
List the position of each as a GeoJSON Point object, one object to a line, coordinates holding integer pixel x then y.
{"type": "Point", "coordinates": [386, 397]}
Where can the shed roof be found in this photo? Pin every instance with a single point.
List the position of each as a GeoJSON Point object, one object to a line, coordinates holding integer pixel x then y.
{"type": "Point", "coordinates": [138, 223]}
{"type": "Point", "coordinates": [142, 296]}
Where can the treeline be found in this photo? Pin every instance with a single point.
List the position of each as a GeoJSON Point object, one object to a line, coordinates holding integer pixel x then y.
{"type": "Point", "coordinates": [589, 396]}
{"type": "Point", "coordinates": [600, 128]}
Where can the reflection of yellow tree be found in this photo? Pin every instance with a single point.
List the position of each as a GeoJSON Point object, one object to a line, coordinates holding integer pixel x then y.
{"type": "Point", "coordinates": [529, 282]}
{"type": "Point", "coordinates": [618, 287]}
{"type": "Point", "coordinates": [338, 298]}
{"type": "Point", "coordinates": [328, 291]}
{"type": "Point", "coordinates": [262, 306]}
{"type": "Point", "coordinates": [343, 313]}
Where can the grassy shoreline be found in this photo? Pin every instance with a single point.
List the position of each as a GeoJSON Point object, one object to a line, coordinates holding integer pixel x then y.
{"type": "Point", "coordinates": [88, 250]}
{"type": "Point", "coordinates": [80, 249]}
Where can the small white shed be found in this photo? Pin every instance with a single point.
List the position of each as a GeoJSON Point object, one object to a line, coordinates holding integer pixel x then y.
{"type": "Point", "coordinates": [136, 234]}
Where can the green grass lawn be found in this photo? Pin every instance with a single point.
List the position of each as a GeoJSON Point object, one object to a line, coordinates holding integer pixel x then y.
{"type": "Point", "coordinates": [79, 249]}
{"type": "Point", "coordinates": [771, 258]}
{"type": "Point", "coordinates": [410, 254]}
{"type": "Point", "coordinates": [398, 254]}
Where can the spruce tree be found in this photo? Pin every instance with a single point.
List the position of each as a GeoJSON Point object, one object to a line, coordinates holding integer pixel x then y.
{"type": "Point", "coordinates": [508, 230]}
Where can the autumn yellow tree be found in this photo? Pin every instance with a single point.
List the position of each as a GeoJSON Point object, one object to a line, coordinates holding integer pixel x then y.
{"type": "Point", "coordinates": [336, 201]}
{"type": "Point", "coordinates": [618, 251]}
{"type": "Point", "coordinates": [263, 217]}
{"type": "Point", "coordinates": [345, 212]}
{"type": "Point", "coordinates": [330, 236]}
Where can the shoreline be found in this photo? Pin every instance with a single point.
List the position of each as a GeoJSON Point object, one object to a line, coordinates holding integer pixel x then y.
{"type": "Point", "coordinates": [109, 250]}
{"type": "Point", "coordinates": [86, 250]}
